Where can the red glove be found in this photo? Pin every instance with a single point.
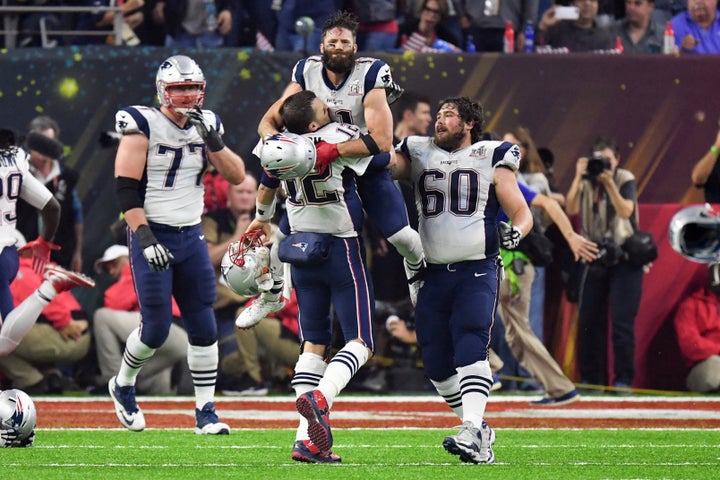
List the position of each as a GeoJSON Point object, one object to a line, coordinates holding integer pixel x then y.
{"type": "Point", "coordinates": [41, 249]}
{"type": "Point", "coordinates": [327, 153]}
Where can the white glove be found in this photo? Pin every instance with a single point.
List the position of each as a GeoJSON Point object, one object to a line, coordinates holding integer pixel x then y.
{"type": "Point", "coordinates": [510, 236]}
{"type": "Point", "coordinates": [157, 256]}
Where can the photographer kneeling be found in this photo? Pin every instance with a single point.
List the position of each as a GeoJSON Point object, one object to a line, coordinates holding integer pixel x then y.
{"type": "Point", "coordinates": [605, 197]}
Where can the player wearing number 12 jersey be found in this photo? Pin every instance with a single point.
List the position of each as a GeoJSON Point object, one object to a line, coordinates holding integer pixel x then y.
{"type": "Point", "coordinates": [159, 166]}
{"type": "Point", "coordinates": [460, 183]}
{"type": "Point", "coordinates": [356, 91]}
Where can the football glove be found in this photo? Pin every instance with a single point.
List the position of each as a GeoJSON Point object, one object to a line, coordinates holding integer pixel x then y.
{"type": "Point", "coordinates": [41, 249]}
{"type": "Point", "coordinates": [207, 132]}
{"type": "Point", "coordinates": [9, 438]}
{"type": "Point", "coordinates": [393, 92]}
{"type": "Point", "coordinates": [510, 236]}
{"type": "Point", "coordinates": [157, 256]}
{"type": "Point", "coordinates": [327, 153]}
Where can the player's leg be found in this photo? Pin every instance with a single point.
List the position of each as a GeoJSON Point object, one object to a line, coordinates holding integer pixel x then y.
{"type": "Point", "coordinates": [194, 291]}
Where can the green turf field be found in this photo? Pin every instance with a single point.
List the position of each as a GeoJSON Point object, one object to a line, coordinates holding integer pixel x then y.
{"type": "Point", "coordinates": [367, 454]}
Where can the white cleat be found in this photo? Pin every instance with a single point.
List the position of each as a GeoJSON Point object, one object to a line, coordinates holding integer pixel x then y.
{"type": "Point", "coordinates": [259, 309]}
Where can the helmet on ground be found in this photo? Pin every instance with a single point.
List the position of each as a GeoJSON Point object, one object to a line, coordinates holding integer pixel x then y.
{"type": "Point", "coordinates": [694, 233]}
{"type": "Point", "coordinates": [288, 155]}
{"type": "Point", "coordinates": [180, 70]}
{"type": "Point", "coordinates": [245, 260]}
{"type": "Point", "coordinates": [17, 411]}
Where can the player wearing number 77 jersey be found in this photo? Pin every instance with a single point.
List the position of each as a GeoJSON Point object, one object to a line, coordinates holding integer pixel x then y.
{"type": "Point", "coordinates": [460, 183]}
{"type": "Point", "coordinates": [160, 162]}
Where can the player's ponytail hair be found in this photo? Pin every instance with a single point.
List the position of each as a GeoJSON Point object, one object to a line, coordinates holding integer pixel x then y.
{"type": "Point", "coordinates": [469, 111]}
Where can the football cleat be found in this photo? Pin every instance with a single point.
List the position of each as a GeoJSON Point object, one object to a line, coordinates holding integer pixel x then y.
{"type": "Point", "coordinates": [471, 444]}
{"type": "Point", "coordinates": [314, 407]}
{"type": "Point", "coordinates": [63, 280]}
{"type": "Point", "coordinates": [306, 451]}
{"type": "Point", "coordinates": [208, 422]}
{"type": "Point", "coordinates": [258, 310]}
{"type": "Point", "coordinates": [126, 407]}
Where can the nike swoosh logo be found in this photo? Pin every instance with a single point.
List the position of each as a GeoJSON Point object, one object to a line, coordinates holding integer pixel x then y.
{"type": "Point", "coordinates": [480, 274]}
{"type": "Point", "coordinates": [129, 421]}
{"type": "Point", "coordinates": [202, 237]}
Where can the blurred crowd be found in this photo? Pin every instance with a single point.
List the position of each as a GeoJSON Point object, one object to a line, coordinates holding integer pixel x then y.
{"type": "Point", "coordinates": [441, 26]}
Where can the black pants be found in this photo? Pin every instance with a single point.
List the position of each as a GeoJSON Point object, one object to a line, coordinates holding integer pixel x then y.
{"type": "Point", "coordinates": [615, 291]}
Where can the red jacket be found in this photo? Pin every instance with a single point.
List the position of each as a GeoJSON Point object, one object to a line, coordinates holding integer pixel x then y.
{"type": "Point", "coordinates": [58, 311]}
{"type": "Point", "coordinates": [697, 323]}
{"type": "Point", "coordinates": [121, 294]}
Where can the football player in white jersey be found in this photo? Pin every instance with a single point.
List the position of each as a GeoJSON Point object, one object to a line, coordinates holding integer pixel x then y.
{"type": "Point", "coordinates": [16, 181]}
{"type": "Point", "coordinates": [160, 162]}
{"type": "Point", "coordinates": [460, 183]}
{"type": "Point", "coordinates": [325, 202]}
{"type": "Point", "coordinates": [356, 91]}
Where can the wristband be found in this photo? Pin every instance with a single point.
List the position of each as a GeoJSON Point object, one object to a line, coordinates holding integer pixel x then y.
{"type": "Point", "coordinates": [213, 141]}
{"type": "Point", "coordinates": [714, 150]}
{"type": "Point", "coordinates": [145, 236]}
{"type": "Point", "coordinates": [264, 211]}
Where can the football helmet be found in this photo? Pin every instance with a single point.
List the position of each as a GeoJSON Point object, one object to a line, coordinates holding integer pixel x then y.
{"type": "Point", "coordinates": [246, 265]}
{"type": "Point", "coordinates": [694, 233]}
{"type": "Point", "coordinates": [180, 70]}
{"type": "Point", "coordinates": [17, 411]}
{"type": "Point", "coordinates": [288, 155]}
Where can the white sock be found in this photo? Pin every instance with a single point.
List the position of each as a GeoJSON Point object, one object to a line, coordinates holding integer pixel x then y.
{"type": "Point", "coordinates": [275, 293]}
{"type": "Point", "coordinates": [309, 369]}
{"type": "Point", "coordinates": [203, 364]}
{"type": "Point", "coordinates": [135, 356]}
{"type": "Point", "coordinates": [343, 366]}
{"type": "Point", "coordinates": [475, 383]}
{"type": "Point", "coordinates": [408, 244]}
{"type": "Point", "coordinates": [22, 318]}
{"type": "Point", "coordinates": [449, 389]}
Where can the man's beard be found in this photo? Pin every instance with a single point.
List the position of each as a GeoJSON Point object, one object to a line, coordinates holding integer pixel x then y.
{"type": "Point", "coordinates": [449, 142]}
{"type": "Point", "coordinates": [338, 64]}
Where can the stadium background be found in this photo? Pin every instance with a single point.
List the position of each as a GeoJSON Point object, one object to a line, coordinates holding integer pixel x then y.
{"type": "Point", "coordinates": [661, 111]}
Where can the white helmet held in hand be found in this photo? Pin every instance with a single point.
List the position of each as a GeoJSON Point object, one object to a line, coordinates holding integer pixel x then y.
{"type": "Point", "coordinates": [180, 70]}
{"type": "Point", "coordinates": [246, 262]}
{"type": "Point", "coordinates": [694, 233]}
{"type": "Point", "coordinates": [17, 411]}
{"type": "Point", "coordinates": [288, 155]}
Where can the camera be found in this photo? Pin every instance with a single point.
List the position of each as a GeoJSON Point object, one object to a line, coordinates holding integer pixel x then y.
{"type": "Point", "coordinates": [610, 253]}
{"type": "Point", "coordinates": [596, 165]}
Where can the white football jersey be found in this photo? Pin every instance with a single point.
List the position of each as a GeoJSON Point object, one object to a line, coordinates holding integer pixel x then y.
{"type": "Point", "coordinates": [455, 197]}
{"type": "Point", "coordinates": [17, 182]}
{"type": "Point", "coordinates": [328, 202]}
{"type": "Point", "coordinates": [345, 101]}
{"type": "Point", "coordinates": [176, 162]}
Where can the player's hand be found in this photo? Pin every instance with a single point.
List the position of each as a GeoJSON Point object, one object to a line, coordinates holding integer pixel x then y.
{"type": "Point", "coordinates": [327, 153]}
{"type": "Point", "coordinates": [157, 256]}
{"type": "Point", "coordinates": [393, 92]}
{"type": "Point", "coordinates": [205, 130]}
{"type": "Point", "coordinates": [510, 236]}
{"type": "Point", "coordinates": [41, 249]}
{"type": "Point", "coordinates": [9, 438]}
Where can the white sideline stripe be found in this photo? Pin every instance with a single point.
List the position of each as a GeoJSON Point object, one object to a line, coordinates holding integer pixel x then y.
{"type": "Point", "coordinates": [348, 465]}
{"type": "Point", "coordinates": [432, 446]}
{"type": "Point", "coordinates": [391, 399]}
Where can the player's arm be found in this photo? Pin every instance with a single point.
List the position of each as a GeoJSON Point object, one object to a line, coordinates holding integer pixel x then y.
{"type": "Point", "coordinates": [271, 122]}
{"type": "Point", "coordinates": [264, 210]}
{"type": "Point", "coordinates": [580, 246]}
{"type": "Point", "coordinates": [226, 162]}
{"type": "Point", "coordinates": [129, 168]}
{"type": "Point", "coordinates": [378, 118]}
{"type": "Point", "coordinates": [512, 200]}
{"type": "Point", "coordinates": [401, 169]}
{"type": "Point", "coordinates": [229, 164]}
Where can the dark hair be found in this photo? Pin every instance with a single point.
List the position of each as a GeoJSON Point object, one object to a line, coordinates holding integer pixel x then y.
{"type": "Point", "coordinates": [408, 101]}
{"type": "Point", "coordinates": [341, 19]}
{"type": "Point", "coordinates": [442, 6]}
{"type": "Point", "coordinates": [606, 142]}
{"type": "Point", "coordinates": [469, 111]}
{"type": "Point", "coordinates": [297, 113]}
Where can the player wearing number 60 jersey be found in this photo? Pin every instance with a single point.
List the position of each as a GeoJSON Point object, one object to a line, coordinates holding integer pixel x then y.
{"type": "Point", "coordinates": [161, 159]}
{"type": "Point", "coordinates": [460, 183]}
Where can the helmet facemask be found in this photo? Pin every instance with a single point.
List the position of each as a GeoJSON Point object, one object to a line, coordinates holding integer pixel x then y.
{"type": "Point", "coordinates": [245, 262]}
{"type": "Point", "coordinates": [180, 70]}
